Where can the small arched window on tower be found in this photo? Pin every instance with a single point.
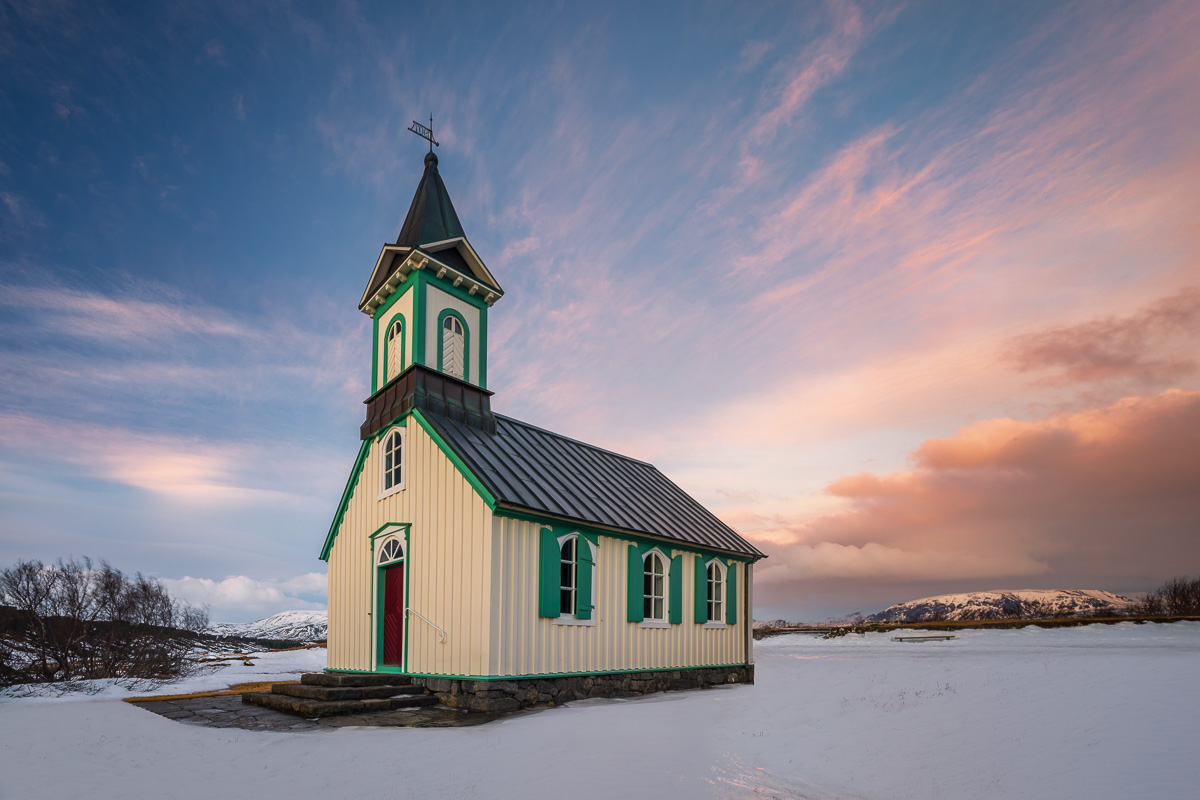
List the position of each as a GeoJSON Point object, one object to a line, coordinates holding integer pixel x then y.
{"type": "Point", "coordinates": [454, 347]}
{"type": "Point", "coordinates": [395, 348]}
{"type": "Point", "coordinates": [393, 462]}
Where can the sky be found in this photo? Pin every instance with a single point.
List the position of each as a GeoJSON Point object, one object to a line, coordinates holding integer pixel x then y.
{"type": "Point", "coordinates": [906, 293]}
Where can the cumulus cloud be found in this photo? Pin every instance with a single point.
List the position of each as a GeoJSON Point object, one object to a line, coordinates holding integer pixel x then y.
{"type": "Point", "coordinates": [1110, 496]}
{"type": "Point", "coordinates": [239, 598]}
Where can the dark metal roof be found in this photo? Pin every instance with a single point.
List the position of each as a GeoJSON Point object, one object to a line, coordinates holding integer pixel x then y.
{"type": "Point", "coordinates": [431, 218]}
{"type": "Point", "coordinates": [527, 467]}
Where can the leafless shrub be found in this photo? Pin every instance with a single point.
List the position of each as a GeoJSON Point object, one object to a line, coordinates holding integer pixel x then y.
{"type": "Point", "coordinates": [74, 621]}
{"type": "Point", "coordinates": [1177, 597]}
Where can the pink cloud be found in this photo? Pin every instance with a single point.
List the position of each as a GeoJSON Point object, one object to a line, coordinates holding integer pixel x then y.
{"type": "Point", "coordinates": [1112, 493]}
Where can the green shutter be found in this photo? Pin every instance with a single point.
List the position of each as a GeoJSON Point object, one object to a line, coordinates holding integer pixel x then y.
{"type": "Point", "coordinates": [548, 575]}
{"type": "Point", "coordinates": [675, 610]}
{"type": "Point", "coordinates": [634, 609]}
{"type": "Point", "coordinates": [701, 590]}
{"type": "Point", "coordinates": [731, 594]}
{"type": "Point", "coordinates": [583, 578]}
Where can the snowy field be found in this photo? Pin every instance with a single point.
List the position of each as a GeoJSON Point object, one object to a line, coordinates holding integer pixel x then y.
{"type": "Point", "coordinates": [1094, 712]}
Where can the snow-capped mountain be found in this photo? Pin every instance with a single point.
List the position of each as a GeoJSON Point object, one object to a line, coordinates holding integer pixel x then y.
{"type": "Point", "coordinates": [297, 626]}
{"type": "Point", "coordinates": [1001, 604]}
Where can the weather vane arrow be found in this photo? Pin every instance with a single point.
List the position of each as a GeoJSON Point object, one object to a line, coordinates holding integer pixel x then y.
{"type": "Point", "coordinates": [425, 133]}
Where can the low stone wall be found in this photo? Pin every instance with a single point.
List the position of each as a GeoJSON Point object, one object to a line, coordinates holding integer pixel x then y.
{"type": "Point", "coordinates": [509, 695]}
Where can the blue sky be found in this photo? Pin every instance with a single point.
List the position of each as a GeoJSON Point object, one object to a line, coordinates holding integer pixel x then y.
{"type": "Point", "coordinates": [822, 263]}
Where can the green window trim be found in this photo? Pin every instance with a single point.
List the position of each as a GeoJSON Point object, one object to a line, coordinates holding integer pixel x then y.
{"type": "Point", "coordinates": [664, 544]}
{"type": "Point", "coordinates": [441, 350]}
{"type": "Point", "coordinates": [731, 617]}
{"type": "Point", "coordinates": [675, 581]}
{"type": "Point", "coordinates": [700, 590]}
{"type": "Point", "coordinates": [635, 592]}
{"type": "Point", "coordinates": [397, 317]}
{"type": "Point", "coordinates": [387, 529]}
{"type": "Point", "coordinates": [549, 576]}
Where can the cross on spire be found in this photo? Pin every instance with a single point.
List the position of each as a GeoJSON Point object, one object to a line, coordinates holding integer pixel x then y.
{"type": "Point", "coordinates": [425, 133]}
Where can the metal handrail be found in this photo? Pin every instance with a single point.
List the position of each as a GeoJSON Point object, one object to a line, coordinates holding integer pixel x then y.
{"type": "Point", "coordinates": [441, 633]}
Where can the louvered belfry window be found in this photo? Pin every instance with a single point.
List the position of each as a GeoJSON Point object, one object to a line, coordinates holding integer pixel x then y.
{"type": "Point", "coordinates": [453, 347]}
{"type": "Point", "coordinates": [395, 349]}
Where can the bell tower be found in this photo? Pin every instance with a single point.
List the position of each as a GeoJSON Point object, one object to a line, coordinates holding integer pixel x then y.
{"type": "Point", "coordinates": [429, 294]}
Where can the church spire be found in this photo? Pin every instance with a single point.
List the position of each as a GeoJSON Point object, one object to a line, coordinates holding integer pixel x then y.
{"type": "Point", "coordinates": [431, 217]}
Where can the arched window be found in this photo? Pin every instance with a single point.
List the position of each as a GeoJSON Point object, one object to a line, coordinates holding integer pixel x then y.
{"type": "Point", "coordinates": [391, 551]}
{"type": "Point", "coordinates": [654, 587]}
{"type": "Point", "coordinates": [393, 462]}
{"type": "Point", "coordinates": [454, 347]}
{"type": "Point", "coordinates": [567, 570]}
{"type": "Point", "coordinates": [716, 592]}
{"type": "Point", "coordinates": [395, 348]}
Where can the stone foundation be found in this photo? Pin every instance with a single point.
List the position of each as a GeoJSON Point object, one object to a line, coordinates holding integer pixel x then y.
{"type": "Point", "coordinates": [510, 695]}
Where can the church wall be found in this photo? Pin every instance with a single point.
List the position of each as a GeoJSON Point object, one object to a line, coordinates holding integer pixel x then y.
{"type": "Point", "coordinates": [446, 565]}
{"type": "Point", "coordinates": [526, 644]}
{"type": "Point", "coordinates": [402, 305]}
{"type": "Point", "coordinates": [435, 301]}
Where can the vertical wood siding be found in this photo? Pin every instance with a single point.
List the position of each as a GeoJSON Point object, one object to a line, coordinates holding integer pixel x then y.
{"type": "Point", "coordinates": [403, 305]}
{"type": "Point", "coordinates": [526, 644]}
{"type": "Point", "coordinates": [435, 301]}
{"type": "Point", "coordinates": [447, 565]}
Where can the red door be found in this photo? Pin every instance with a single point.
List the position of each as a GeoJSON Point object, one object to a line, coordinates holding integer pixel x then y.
{"type": "Point", "coordinates": [393, 615]}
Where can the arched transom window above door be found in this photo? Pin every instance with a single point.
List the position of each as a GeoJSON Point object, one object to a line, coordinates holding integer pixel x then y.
{"type": "Point", "coordinates": [391, 550]}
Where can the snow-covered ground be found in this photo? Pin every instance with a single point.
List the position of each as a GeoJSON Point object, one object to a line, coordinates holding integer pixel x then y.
{"type": "Point", "coordinates": [1091, 712]}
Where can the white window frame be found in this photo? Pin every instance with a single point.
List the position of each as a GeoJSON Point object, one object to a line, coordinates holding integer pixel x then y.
{"type": "Point", "coordinates": [655, 622]}
{"type": "Point", "coordinates": [462, 335]}
{"type": "Point", "coordinates": [381, 560]}
{"type": "Point", "coordinates": [719, 622]}
{"type": "Point", "coordinates": [570, 619]}
{"type": "Point", "coordinates": [384, 490]}
{"type": "Point", "coordinates": [395, 349]}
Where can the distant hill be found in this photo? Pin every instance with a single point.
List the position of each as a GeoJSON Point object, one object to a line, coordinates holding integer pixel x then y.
{"type": "Point", "coordinates": [293, 626]}
{"type": "Point", "coordinates": [1006, 604]}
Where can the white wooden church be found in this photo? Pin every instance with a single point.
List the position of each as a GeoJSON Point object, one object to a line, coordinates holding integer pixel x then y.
{"type": "Point", "coordinates": [471, 547]}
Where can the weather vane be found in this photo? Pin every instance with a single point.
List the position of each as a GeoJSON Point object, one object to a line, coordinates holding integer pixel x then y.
{"type": "Point", "coordinates": [425, 133]}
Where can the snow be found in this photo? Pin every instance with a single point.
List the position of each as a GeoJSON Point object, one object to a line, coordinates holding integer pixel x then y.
{"type": "Point", "coordinates": [301, 626]}
{"type": "Point", "coordinates": [268, 665]}
{"type": "Point", "coordinates": [1090, 712]}
{"type": "Point", "coordinates": [1019, 602]}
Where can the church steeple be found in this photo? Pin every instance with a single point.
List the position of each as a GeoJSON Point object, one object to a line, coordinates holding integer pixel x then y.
{"type": "Point", "coordinates": [429, 294]}
{"type": "Point", "coordinates": [431, 217]}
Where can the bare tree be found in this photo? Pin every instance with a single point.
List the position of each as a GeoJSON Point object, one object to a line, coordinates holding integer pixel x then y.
{"type": "Point", "coordinates": [74, 620]}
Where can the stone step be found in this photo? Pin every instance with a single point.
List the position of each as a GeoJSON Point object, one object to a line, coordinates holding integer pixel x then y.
{"type": "Point", "coordinates": [309, 709]}
{"type": "Point", "coordinates": [311, 692]}
{"type": "Point", "coordinates": [340, 679]}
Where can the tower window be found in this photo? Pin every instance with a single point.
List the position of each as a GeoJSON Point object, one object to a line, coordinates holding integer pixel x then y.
{"type": "Point", "coordinates": [453, 359]}
{"type": "Point", "coordinates": [395, 348]}
{"type": "Point", "coordinates": [393, 462]}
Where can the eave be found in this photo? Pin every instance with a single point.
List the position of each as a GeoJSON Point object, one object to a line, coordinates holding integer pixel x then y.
{"type": "Point", "coordinates": [417, 259]}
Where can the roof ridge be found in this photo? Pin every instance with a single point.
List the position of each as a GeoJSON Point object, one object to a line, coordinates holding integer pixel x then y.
{"type": "Point", "coordinates": [588, 445]}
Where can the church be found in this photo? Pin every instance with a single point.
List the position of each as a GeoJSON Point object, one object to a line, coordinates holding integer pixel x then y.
{"type": "Point", "coordinates": [496, 563]}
